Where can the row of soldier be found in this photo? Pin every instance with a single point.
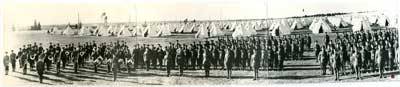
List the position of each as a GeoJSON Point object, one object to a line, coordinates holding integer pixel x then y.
{"type": "Point", "coordinates": [367, 52]}
{"type": "Point", "coordinates": [226, 53]}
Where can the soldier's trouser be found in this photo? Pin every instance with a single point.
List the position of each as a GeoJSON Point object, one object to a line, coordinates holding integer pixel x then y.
{"type": "Point", "coordinates": [207, 69]}
{"type": "Point", "coordinates": [281, 63]}
{"type": "Point", "coordinates": [160, 62]}
{"type": "Point", "coordinates": [181, 70]}
{"type": "Point", "coordinates": [168, 69]}
{"type": "Point", "coordinates": [381, 69]}
{"type": "Point", "coordinates": [48, 65]}
{"type": "Point", "coordinates": [64, 63]}
{"type": "Point", "coordinates": [115, 72]}
{"type": "Point", "coordinates": [248, 62]}
{"type": "Point", "coordinates": [24, 66]}
{"type": "Point", "coordinates": [147, 64]}
{"type": "Point", "coordinates": [58, 67]}
{"type": "Point", "coordinates": [108, 68]}
{"type": "Point", "coordinates": [193, 60]}
{"type": "Point", "coordinates": [358, 72]}
{"type": "Point", "coordinates": [13, 66]}
{"type": "Point", "coordinates": [229, 71]}
{"type": "Point", "coordinates": [200, 62]}
{"type": "Point", "coordinates": [323, 67]}
{"type": "Point", "coordinates": [95, 67]}
{"type": "Point", "coordinates": [76, 67]}
{"type": "Point", "coordinates": [128, 66]}
{"type": "Point", "coordinates": [255, 73]}
{"type": "Point", "coordinates": [40, 76]}
{"type": "Point", "coordinates": [6, 69]}
{"type": "Point", "coordinates": [32, 64]}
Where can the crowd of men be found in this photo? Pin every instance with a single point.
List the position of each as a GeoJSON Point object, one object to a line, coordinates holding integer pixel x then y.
{"type": "Point", "coordinates": [371, 51]}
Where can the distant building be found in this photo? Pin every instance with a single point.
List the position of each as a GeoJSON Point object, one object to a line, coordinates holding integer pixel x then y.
{"type": "Point", "coordinates": [36, 26]}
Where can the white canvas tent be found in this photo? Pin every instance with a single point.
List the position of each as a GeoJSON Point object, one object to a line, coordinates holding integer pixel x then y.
{"type": "Point", "coordinates": [296, 25]}
{"type": "Point", "coordinates": [111, 30]}
{"type": "Point", "coordinates": [202, 33]}
{"type": "Point", "coordinates": [240, 31]}
{"type": "Point", "coordinates": [383, 21]}
{"type": "Point", "coordinates": [313, 23]}
{"type": "Point", "coordinates": [320, 27]}
{"type": "Point", "coordinates": [373, 19]}
{"type": "Point", "coordinates": [281, 28]}
{"type": "Point", "coordinates": [273, 25]}
{"type": "Point", "coordinates": [102, 31]}
{"type": "Point", "coordinates": [182, 28]}
{"type": "Point", "coordinates": [84, 31]}
{"type": "Point", "coordinates": [192, 28]}
{"type": "Point", "coordinates": [339, 22]}
{"type": "Point", "coordinates": [68, 31]}
{"type": "Point", "coordinates": [149, 31]}
{"type": "Point", "coordinates": [123, 31]}
{"type": "Point", "coordinates": [361, 25]}
{"type": "Point", "coordinates": [54, 30]}
{"type": "Point", "coordinates": [232, 26]}
{"type": "Point", "coordinates": [214, 31]}
{"type": "Point", "coordinates": [250, 29]}
{"type": "Point", "coordinates": [164, 31]}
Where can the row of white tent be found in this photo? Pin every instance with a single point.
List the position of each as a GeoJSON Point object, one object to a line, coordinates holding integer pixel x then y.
{"type": "Point", "coordinates": [324, 24]}
{"type": "Point", "coordinates": [275, 27]}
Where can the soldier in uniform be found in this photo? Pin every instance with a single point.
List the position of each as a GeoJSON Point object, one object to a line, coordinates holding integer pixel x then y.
{"type": "Point", "coordinates": [255, 61]}
{"type": "Point", "coordinates": [130, 62]}
{"type": "Point", "coordinates": [97, 58]}
{"type": "Point", "coordinates": [391, 54]}
{"type": "Point", "coordinates": [24, 62]}
{"type": "Point", "coordinates": [6, 62]}
{"type": "Point", "coordinates": [335, 63]}
{"type": "Point", "coordinates": [380, 54]}
{"type": "Point", "coordinates": [168, 59]}
{"type": "Point", "coordinates": [199, 55]}
{"type": "Point", "coordinates": [49, 59]}
{"type": "Point", "coordinates": [57, 57]}
{"type": "Point", "coordinates": [115, 66]}
{"type": "Point", "coordinates": [281, 57]}
{"type": "Point", "coordinates": [228, 60]}
{"type": "Point", "coordinates": [179, 59]}
{"type": "Point", "coordinates": [322, 58]}
{"type": "Point", "coordinates": [13, 59]}
{"type": "Point", "coordinates": [194, 58]}
{"type": "Point", "coordinates": [40, 66]}
{"type": "Point", "coordinates": [317, 48]}
{"type": "Point", "coordinates": [356, 62]}
{"type": "Point", "coordinates": [206, 61]}
{"type": "Point", "coordinates": [146, 58]}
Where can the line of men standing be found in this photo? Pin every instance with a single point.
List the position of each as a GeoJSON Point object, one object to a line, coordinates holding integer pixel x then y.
{"type": "Point", "coordinates": [245, 53]}
{"type": "Point", "coordinates": [361, 51]}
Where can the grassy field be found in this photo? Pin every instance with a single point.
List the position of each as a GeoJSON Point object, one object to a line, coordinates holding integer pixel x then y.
{"type": "Point", "coordinates": [301, 71]}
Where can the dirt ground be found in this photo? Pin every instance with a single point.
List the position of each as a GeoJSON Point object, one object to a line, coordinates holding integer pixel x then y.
{"type": "Point", "coordinates": [295, 72]}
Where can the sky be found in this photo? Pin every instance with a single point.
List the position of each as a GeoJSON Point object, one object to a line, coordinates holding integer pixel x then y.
{"type": "Point", "coordinates": [23, 12]}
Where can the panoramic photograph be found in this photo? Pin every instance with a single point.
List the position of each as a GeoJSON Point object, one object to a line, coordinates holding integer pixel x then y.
{"type": "Point", "coordinates": [199, 42]}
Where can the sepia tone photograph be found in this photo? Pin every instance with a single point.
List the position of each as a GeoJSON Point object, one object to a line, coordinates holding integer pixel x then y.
{"type": "Point", "coordinates": [199, 42]}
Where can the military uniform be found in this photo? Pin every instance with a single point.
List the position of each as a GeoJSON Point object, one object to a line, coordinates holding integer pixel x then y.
{"type": "Point", "coordinates": [40, 66]}
{"type": "Point", "coordinates": [6, 62]}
